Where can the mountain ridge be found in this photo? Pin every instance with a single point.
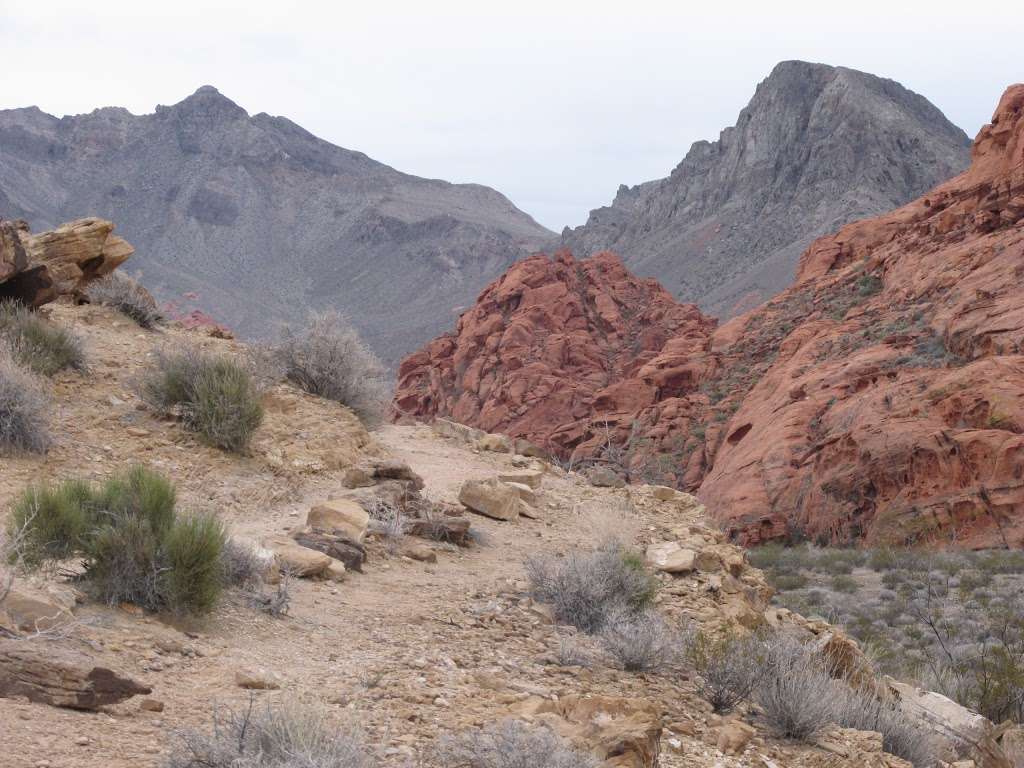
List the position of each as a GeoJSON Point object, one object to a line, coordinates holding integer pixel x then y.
{"type": "Point", "coordinates": [816, 147]}
{"type": "Point", "coordinates": [261, 220]}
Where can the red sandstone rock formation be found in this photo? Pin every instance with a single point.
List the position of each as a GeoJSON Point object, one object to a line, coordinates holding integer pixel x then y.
{"type": "Point", "coordinates": [879, 398]}
{"type": "Point", "coordinates": [548, 345]}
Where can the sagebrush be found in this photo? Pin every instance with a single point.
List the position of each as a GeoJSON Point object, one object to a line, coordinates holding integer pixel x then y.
{"type": "Point", "coordinates": [729, 667]}
{"type": "Point", "coordinates": [286, 734]}
{"type": "Point", "coordinates": [38, 344]}
{"type": "Point", "coordinates": [640, 641]}
{"type": "Point", "coordinates": [24, 408]}
{"type": "Point", "coordinates": [511, 744]}
{"type": "Point", "coordinates": [587, 589]}
{"type": "Point", "coordinates": [214, 395]}
{"type": "Point", "coordinates": [125, 294]}
{"type": "Point", "coordinates": [327, 358]}
{"type": "Point", "coordinates": [134, 545]}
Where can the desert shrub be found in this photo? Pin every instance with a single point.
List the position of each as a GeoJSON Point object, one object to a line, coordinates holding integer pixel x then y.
{"type": "Point", "coordinates": [124, 293]}
{"type": "Point", "coordinates": [240, 565]}
{"type": "Point", "coordinates": [511, 744]}
{"type": "Point", "coordinates": [795, 692]}
{"type": "Point", "coordinates": [846, 584]}
{"type": "Point", "coordinates": [901, 736]}
{"type": "Point", "coordinates": [838, 561]}
{"type": "Point", "coordinates": [134, 546]}
{"type": "Point", "coordinates": [639, 642]}
{"type": "Point", "coordinates": [728, 667]}
{"type": "Point", "coordinates": [328, 359]}
{"type": "Point", "coordinates": [37, 344]}
{"type": "Point", "coordinates": [786, 582]}
{"type": "Point", "coordinates": [24, 405]}
{"type": "Point", "coordinates": [214, 395]}
{"type": "Point", "coordinates": [283, 735]}
{"type": "Point", "coordinates": [587, 589]}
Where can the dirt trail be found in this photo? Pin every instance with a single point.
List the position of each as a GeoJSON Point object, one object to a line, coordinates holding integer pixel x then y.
{"type": "Point", "coordinates": [407, 650]}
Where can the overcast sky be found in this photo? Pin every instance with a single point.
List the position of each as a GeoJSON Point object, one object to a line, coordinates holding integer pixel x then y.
{"type": "Point", "coordinates": [553, 103]}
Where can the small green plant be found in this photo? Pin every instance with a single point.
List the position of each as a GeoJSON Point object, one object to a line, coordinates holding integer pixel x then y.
{"type": "Point", "coordinates": [845, 584]}
{"type": "Point", "coordinates": [134, 545]}
{"type": "Point", "coordinates": [869, 285]}
{"type": "Point", "coordinates": [214, 395]}
{"type": "Point", "coordinates": [41, 346]}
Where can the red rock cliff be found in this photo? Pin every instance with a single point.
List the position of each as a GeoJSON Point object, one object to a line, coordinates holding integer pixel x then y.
{"type": "Point", "coordinates": [880, 398]}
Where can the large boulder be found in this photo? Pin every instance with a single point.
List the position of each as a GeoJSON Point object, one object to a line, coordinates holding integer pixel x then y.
{"type": "Point", "coordinates": [60, 677]}
{"type": "Point", "coordinates": [342, 517]}
{"type": "Point", "coordinates": [297, 560]}
{"type": "Point", "coordinates": [36, 269]}
{"type": "Point", "coordinates": [492, 498]}
{"type": "Point", "coordinates": [669, 557]}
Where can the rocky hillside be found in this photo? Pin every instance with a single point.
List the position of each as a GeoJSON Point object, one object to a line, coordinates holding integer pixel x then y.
{"type": "Point", "coordinates": [881, 397]}
{"type": "Point", "coordinates": [815, 148]}
{"type": "Point", "coordinates": [256, 221]}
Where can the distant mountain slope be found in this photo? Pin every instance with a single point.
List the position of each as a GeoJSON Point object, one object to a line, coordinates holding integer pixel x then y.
{"type": "Point", "coordinates": [815, 148]}
{"type": "Point", "coordinates": [262, 220]}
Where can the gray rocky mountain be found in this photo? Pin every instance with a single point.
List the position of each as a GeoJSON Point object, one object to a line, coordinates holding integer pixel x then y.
{"type": "Point", "coordinates": [815, 148]}
{"type": "Point", "coordinates": [257, 221]}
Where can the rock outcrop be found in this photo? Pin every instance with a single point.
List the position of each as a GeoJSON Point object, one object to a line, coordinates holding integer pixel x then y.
{"type": "Point", "coordinates": [36, 269]}
{"type": "Point", "coordinates": [881, 397]}
{"type": "Point", "coordinates": [61, 678]}
{"type": "Point", "coordinates": [255, 221]}
{"type": "Point", "coordinates": [816, 147]}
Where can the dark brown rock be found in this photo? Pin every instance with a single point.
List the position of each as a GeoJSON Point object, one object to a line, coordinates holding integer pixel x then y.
{"type": "Point", "coordinates": [60, 677]}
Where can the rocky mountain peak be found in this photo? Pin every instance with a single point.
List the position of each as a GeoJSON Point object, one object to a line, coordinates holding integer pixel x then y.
{"type": "Point", "coordinates": [816, 147]}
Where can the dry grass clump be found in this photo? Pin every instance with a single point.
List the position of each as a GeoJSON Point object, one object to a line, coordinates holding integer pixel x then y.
{"type": "Point", "coordinates": [24, 408]}
{"type": "Point", "coordinates": [37, 344]}
{"type": "Point", "coordinates": [134, 546]}
{"type": "Point", "coordinates": [125, 294]}
{"type": "Point", "coordinates": [640, 641]}
{"type": "Point", "coordinates": [286, 734]}
{"type": "Point", "coordinates": [728, 667]}
{"type": "Point", "coordinates": [510, 744]}
{"type": "Point", "coordinates": [796, 694]}
{"type": "Point", "coordinates": [214, 395]}
{"type": "Point", "coordinates": [587, 589]}
{"type": "Point", "coordinates": [328, 359]}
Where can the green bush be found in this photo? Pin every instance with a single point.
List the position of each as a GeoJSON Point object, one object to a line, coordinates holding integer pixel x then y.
{"type": "Point", "coordinates": [785, 582]}
{"type": "Point", "coordinates": [215, 396]}
{"type": "Point", "coordinates": [843, 583]}
{"type": "Point", "coordinates": [134, 545]}
{"type": "Point", "coordinates": [39, 345]}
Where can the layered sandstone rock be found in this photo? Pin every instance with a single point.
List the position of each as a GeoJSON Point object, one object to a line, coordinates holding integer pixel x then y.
{"type": "Point", "coordinates": [36, 269]}
{"type": "Point", "coordinates": [881, 397]}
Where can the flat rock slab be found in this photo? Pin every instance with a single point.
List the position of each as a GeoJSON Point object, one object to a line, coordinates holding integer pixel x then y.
{"type": "Point", "coordinates": [60, 677]}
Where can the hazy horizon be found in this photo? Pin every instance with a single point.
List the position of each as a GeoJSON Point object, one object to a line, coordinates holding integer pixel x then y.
{"type": "Point", "coordinates": [553, 106]}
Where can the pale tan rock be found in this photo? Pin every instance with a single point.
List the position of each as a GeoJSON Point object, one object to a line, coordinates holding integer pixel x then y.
{"type": "Point", "coordinates": [491, 498]}
{"type": "Point", "coordinates": [295, 559]}
{"type": "Point", "coordinates": [531, 479]}
{"type": "Point", "coordinates": [669, 557]}
{"type": "Point", "coordinates": [456, 431]}
{"type": "Point", "coordinates": [30, 609]}
{"type": "Point", "coordinates": [420, 552]}
{"type": "Point", "coordinates": [336, 571]}
{"type": "Point", "coordinates": [257, 679]}
{"type": "Point", "coordinates": [341, 516]}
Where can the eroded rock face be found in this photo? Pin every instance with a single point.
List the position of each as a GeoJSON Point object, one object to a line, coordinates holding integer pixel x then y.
{"type": "Point", "coordinates": [547, 346]}
{"type": "Point", "coordinates": [880, 398]}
